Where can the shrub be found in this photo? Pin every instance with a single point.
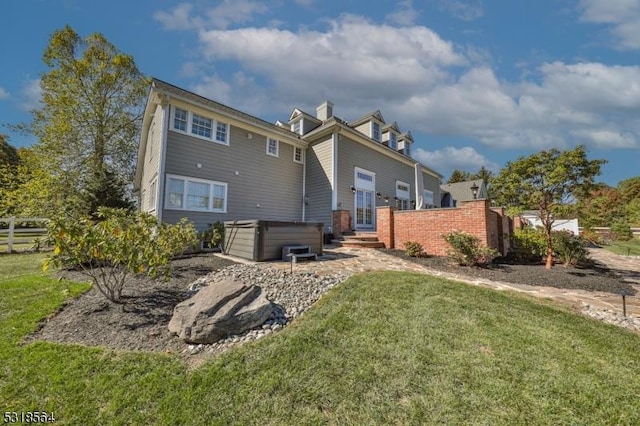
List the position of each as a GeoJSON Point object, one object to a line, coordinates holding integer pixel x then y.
{"type": "Point", "coordinates": [214, 236]}
{"type": "Point", "coordinates": [467, 251]}
{"type": "Point", "coordinates": [414, 249]}
{"type": "Point", "coordinates": [529, 243]}
{"type": "Point", "coordinates": [568, 248]}
{"type": "Point", "coordinates": [117, 245]}
{"type": "Point", "coordinates": [621, 230]}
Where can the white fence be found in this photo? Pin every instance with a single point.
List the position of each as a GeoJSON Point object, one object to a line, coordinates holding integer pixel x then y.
{"type": "Point", "coordinates": [18, 233]}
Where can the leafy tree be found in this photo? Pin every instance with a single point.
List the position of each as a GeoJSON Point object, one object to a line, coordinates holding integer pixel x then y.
{"type": "Point", "coordinates": [459, 176]}
{"type": "Point", "coordinates": [8, 153]}
{"type": "Point", "coordinates": [485, 174]}
{"type": "Point", "coordinates": [548, 180]}
{"type": "Point", "coordinates": [630, 189]}
{"type": "Point", "coordinates": [92, 99]}
{"type": "Point", "coordinates": [600, 207]}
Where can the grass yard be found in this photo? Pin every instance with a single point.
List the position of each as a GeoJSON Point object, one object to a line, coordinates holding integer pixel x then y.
{"type": "Point", "coordinates": [625, 247]}
{"type": "Point", "coordinates": [383, 348]}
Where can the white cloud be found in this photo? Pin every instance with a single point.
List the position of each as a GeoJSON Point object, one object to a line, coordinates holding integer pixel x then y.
{"type": "Point", "coordinates": [623, 16]}
{"type": "Point", "coordinates": [450, 158]}
{"type": "Point", "coordinates": [225, 14]}
{"type": "Point", "coordinates": [177, 19]}
{"type": "Point", "coordinates": [31, 95]}
{"type": "Point", "coordinates": [353, 61]}
{"type": "Point", "coordinates": [305, 3]}
{"type": "Point", "coordinates": [464, 10]}
{"type": "Point", "coordinates": [404, 15]}
{"type": "Point", "coordinates": [3, 93]}
{"type": "Point", "coordinates": [425, 83]}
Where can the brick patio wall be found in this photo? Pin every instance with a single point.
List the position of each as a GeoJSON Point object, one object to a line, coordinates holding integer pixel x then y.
{"type": "Point", "coordinates": [341, 223]}
{"type": "Point", "coordinates": [427, 226]}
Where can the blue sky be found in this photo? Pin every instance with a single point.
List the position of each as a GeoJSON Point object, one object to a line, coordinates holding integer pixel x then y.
{"type": "Point", "coordinates": [478, 83]}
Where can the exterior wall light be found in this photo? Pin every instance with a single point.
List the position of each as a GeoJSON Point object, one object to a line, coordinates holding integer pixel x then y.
{"type": "Point", "coordinates": [353, 189]}
{"type": "Point", "coordinates": [474, 190]}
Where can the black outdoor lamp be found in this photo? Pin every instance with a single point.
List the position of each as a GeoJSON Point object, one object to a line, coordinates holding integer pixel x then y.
{"type": "Point", "coordinates": [397, 201]}
{"type": "Point", "coordinates": [379, 195]}
{"type": "Point", "coordinates": [386, 199]}
{"type": "Point", "coordinates": [413, 204]}
{"type": "Point", "coordinates": [474, 190]}
{"type": "Point", "coordinates": [353, 189]}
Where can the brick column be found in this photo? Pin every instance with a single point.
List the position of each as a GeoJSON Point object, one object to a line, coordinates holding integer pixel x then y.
{"type": "Point", "coordinates": [341, 222]}
{"type": "Point", "coordinates": [385, 225]}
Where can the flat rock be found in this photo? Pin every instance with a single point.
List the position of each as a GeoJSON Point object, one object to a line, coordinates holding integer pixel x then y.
{"type": "Point", "coordinates": [218, 310]}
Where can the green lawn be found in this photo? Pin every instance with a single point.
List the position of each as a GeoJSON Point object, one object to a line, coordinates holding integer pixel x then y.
{"type": "Point", "coordinates": [625, 247]}
{"type": "Point", "coordinates": [383, 348]}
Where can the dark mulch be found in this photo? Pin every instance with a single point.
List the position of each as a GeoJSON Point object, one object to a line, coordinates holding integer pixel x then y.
{"type": "Point", "coordinates": [141, 322]}
{"type": "Point", "coordinates": [591, 277]}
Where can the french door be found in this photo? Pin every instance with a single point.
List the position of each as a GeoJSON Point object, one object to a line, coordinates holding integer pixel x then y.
{"type": "Point", "coordinates": [364, 209]}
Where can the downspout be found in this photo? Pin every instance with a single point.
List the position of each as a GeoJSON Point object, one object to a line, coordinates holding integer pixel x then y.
{"type": "Point", "coordinates": [304, 185]}
{"type": "Point", "coordinates": [334, 176]}
{"type": "Point", "coordinates": [163, 157]}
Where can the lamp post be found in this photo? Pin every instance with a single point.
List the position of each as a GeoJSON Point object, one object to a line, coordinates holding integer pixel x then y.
{"type": "Point", "coordinates": [474, 190]}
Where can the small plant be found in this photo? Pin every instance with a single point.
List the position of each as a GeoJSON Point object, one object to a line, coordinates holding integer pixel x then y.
{"type": "Point", "coordinates": [529, 243]}
{"type": "Point", "coordinates": [116, 245]}
{"type": "Point", "coordinates": [414, 249]}
{"type": "Point", "coordinates": [568, 248]}
{"type": "Point", "coordinates": [214, 236]}
{"type": "Point", "coordinates": [467, 251]}
{"type": "Point", "coordinates": [590, 235]}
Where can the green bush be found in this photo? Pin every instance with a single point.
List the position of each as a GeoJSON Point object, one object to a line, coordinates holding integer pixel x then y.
{"type": "Point", "coordinates": [621, 230]}
{"type": "Point", "coordinates": [214, 236]}
{"type": "Point", "coordinates": [414, 249]}
{"type": "Point", "coordinates": [117, 245]}
{"type": "Point", "coordinates": [529, 243]}
{"type": "Point", "coordinates": [568, 248]}
{"type": "Point", "coordinates": [589, 234]}
{"type": "Point", "coordinates": [467, 251]}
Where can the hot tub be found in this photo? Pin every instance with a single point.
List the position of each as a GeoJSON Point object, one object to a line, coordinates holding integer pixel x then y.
{"type": "Point", "coordinates": [262, 240]}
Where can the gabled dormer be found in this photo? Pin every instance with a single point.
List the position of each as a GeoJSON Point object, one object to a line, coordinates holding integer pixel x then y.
{"type": "Point", "coordinates": [390, 135]}
{"type": "Point", "coordinates": [370, 124]}
{"type": "Point", "coordinates": [300, 122]}
{"type": "Point", "coordinates": [405, 140]}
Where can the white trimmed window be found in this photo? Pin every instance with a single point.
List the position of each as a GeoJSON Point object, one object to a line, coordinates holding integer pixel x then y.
{"type": "Point", "coordinates": [375, 131]}
{"type": "Point", "coordinates": [297, 127]}
{"type": "Point", "coordinates": [402, 195]}
{"type": "Point", "coordinates": [184, 193]}
{"type": "Point", "coordinates": [273, 146]}
{"type": "Point", "coordinates": [199, 126]}
{"type": "Point", "coordinates": [393, 141]}
{"type": "Point", "coordinates": [298, 155]}
{"type": "Point", "coordinates": [180, 119]}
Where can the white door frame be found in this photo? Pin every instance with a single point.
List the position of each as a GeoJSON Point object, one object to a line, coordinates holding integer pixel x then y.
{"type": "Point", "coordinates": [365, 184]}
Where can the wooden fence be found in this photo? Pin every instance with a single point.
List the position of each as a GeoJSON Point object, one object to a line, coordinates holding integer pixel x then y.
{"type": "Point", "coordinates": [19, 233]}
{"type": "Point", "coordinates": [607, 230]}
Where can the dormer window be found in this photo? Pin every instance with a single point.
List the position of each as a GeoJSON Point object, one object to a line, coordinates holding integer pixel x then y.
{"type": "Point", "coordinates": [297, 127]}
{"type": "Point", "coordinates": [393, 141]}
{"type": "Point", "coordinates": [375, 131]}
{"type": "Point", "coordinates": [407, 149]}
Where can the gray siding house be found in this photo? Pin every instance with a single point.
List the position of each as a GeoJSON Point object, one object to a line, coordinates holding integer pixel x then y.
{"type": "Point", "coordinates": [208, 162]}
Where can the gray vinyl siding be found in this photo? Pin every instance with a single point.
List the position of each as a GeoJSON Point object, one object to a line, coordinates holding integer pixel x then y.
{"type": "Point", "coordinates": [365, 128]}
{"type": "Point", "coordinates": [387, 170]}
{"type": "Point", "coordinates": [308, 125]}
{"type": "Point", "coordinates": [433, 184]}
{"type": "Point", "coordinates": [260, 186]}
{"type": "Point", "coordinates": [319, 157]}
{"type": "Point", "coordinates": [151, 166]}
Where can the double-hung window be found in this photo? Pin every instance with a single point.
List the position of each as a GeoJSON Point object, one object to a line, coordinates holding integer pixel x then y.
{"type": "Point", "coordinates": [298, 155]}
{"type": "Point", "coordinates": [180, 119]}
{"type": "Point", "coordinates": [272, 147]}
{"type": "Point", "coordinates": [393, 141]}
{"type": "Point", "coordinates": [375, 131]}
{"type": "Point", "coordinates": [199, 126]}
{"type": "Point", "coordinates": [297, 127]}
{"type": "Point", "coordinates": [184, 193]}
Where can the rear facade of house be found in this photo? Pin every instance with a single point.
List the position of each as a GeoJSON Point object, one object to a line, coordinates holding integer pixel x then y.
{"type": "Point", "coordinates": [208, 162]}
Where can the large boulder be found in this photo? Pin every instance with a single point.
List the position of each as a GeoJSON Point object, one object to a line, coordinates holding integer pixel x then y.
{"type": "Point", "coordinates": [219, 310]}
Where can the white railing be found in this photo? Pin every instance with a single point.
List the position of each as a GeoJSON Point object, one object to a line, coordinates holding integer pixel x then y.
{"type": "Point", "coordinates": [20, 234]}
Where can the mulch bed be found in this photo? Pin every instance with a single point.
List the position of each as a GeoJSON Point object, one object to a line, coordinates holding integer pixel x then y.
{"type": "Point", "coordinates": [591, 277]}
{"type": "Point", "coordinates": [141, 322]}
